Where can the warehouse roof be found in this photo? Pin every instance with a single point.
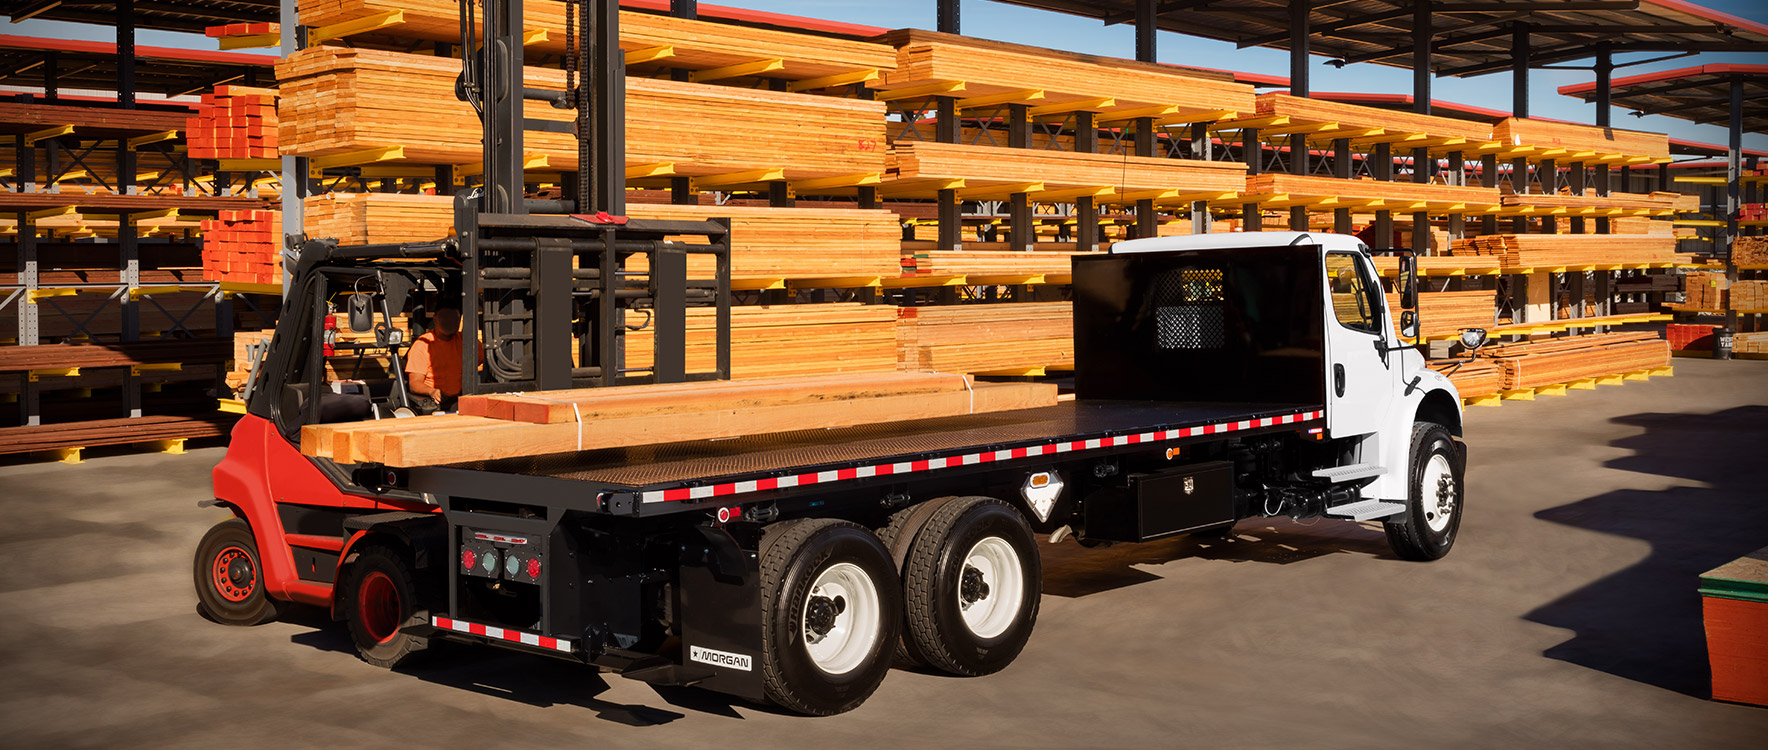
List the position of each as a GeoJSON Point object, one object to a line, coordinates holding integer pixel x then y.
{"type": "Point", "coordinates": [1701, 94]}
{"type": "Point", "coordinates": [78, 65]}
{"type": "Point", "coordinates": [1472, 36]}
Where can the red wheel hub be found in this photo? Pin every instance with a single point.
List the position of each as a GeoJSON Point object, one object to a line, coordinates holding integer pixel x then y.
{"type": "Point", "coordinates": [235, 577]}
{"type": "Point", "coordinates": [377, 603]}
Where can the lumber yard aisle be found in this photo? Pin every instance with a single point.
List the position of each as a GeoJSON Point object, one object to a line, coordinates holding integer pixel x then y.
{"type": "Point", "coordinates": [1568, 617]}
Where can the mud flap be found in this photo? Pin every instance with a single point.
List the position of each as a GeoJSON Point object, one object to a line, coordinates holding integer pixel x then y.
{"type": "Point", "coordinates": [721, 615]}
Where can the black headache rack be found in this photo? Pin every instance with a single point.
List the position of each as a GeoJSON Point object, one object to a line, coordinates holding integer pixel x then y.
{"type": "Point", "coordinates": [762, 476]}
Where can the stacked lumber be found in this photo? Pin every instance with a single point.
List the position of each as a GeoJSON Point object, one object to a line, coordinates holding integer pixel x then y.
{"type": "Point", "coordinates": [1750, 251]}
{"type": "Point", "coordinates": [1658, 201]}
{"type": "Point", "coordinates": [1400, 193]}
{"type": "Point", "coordinates": [986, 338]}
{"type": "Point", "coordinates": [1704, 291]}
{"type": "Point", "coordinates": [1548, 134]}
{"type": "Point", "coordinates": [1534, 250]}
{"type": "Point", "coordinates": [243, 342]}
{"type": "Point", "coordinates": [597, 419]}
{"type": "Point", "coordinates": [692, 44]}
{"type": "Point", "coordinates": [1302, 110]}
{"type": "Point", "coordinates": [243, 246]}
{"type": "Point", "coordinates": [1539, 363]}
{"type": "Point", "coordinates": [113, 377]}
{"type": "Point", "coordinates": [79, 225]}
{"type": "Point", "coordinates": [56, 356]}
{"type": "Point", "coordinates": [338, 100]}
{"type": "Point", "coordinates": [989, 68]}
{"type": "Point", "coordinates": [1444, 314]}
{"type": "Point", "coordinates": [112, 432]}
{"type": "Point", "coordinates": [1473, 379]}
{"type": "Point", "coordinates": [234, 122]}
{"type": "Point", "coordinates": [913, 167]}
{"type": "Point", "coordinates": [1750, 343]}
{"type": "Point", "coordinates": [786, 340]}
{"type": "Point", "coordinates": [1749, 295]}
{"type": "Point", "coordinates": [765, 242]}
{"type": "Point", "coordinates": [919, 259]}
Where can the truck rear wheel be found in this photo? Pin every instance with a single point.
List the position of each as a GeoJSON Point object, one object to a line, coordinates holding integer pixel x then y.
{"type": "Point", "coordinates": [971, 587]}
{"type": "Point", "coordinates": [1434, 496]}
{"type": "Point", "coordinates": [830, 610]}
{"type": "Point", "coordinates": [378, 598]}
{"type": "Point", "coordinates": [230, 576]}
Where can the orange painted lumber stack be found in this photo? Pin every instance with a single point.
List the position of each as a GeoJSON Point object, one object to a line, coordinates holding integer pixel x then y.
{"type": "Point", "coordinates": [1545, 134]}
{"type": "Point", "coordinates": [765, 242]}
{"type": "Point", "coordinates": [787, 340]}
{"type": "Point", "coordinates": [989, 68]}
{"type": "Point", "coordinates": [339, 100]}
{"type": "Point", "coordinates": [1480, 377]}
{"type": "Point", "coordinates": [1442, 314]}
{"type": "Point", "coordinates": [1539, 363]}
{"type": "Point", "coordinates": [695, 45]}
{"type": "Point", "coordinates": [1536, 250]}
{"type": "Point", "coordinates": [1397, 193]}
{"type": "Point", "coordinates": [986, 338]}
{"type": "Point", "coordinates": [603, 418]}
{"type": "Point", "coordinates": [1302, 110]}
{"type": "Point", "coordinates": [243, 246]}
{"type": "Point", "coordinates": [234, 122]}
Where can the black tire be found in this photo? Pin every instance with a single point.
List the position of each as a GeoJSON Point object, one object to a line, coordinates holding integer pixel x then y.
{"type": "Point", "coordinates": [793, 555]}
{"type": "Point", "coordinates": [939, 582]}
{"type": "Point", "coordinates": [379, 598]}
{"type": "Point", "coordinates": [230, 576]}
{"type": "Point", "coordinates": [898, 537]}
{"type": "Point", "coordinates": [1415, 539]}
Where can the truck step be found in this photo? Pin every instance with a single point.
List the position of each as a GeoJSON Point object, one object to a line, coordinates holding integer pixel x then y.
{"type": "Point", "coordinates": [1365, 510]}
{"type": "Point", "coordinates": [1349, 472]}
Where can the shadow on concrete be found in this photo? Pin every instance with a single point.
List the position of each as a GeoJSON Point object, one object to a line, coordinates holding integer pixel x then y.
{"type": "Point", "coordinates": [1073, 571]}
{"type": "Point", "coordinates": [1644, 623]}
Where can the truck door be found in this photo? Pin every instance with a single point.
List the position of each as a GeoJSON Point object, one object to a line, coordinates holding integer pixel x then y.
{"type": "Point", "coordinates": [1360, 377]}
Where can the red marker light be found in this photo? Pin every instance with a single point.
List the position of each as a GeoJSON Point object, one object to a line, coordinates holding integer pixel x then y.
{"type": "Point", "coordinates": [725, 514]}
{"type": "Point", "coordinates": [467, 558]}
{"type": "Point", "coordinates": [533, 567]}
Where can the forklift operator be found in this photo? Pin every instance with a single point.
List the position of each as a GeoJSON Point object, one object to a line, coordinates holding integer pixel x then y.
{"type": "Point", "coordinates": [432, 367]}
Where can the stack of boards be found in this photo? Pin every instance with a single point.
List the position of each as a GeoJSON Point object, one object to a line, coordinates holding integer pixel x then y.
{"type": "Point", "coordinates": [920, 259]}
{"type": "Point", "coordinates": [1548, 134]}
{"type": "Point", "coordinates": [1533, 364]}
{"type": "Point", "coordinates": [766, 242]}
{"type": "Point", "coordinates": [1656, 202]}
{"type": "Point", "coordinates": [493, 427]}
{"type": "Point", "coordinates": [1473, 379]}
{"type": "Point", "coordinates": [337, 100]}
{"type": "Point", "coordinates": [1443, 314]}
{"type": "Point", "coordinates": [999, 338]}
{"type": "Point", "coordinates": [785, 340]}
{"type": "Point", "coordinates": [1550, 250]}
{"type": "Point", "coordinates": [1750, 251]}
{"type": "Point", "coordinates": [1019, 170]}
{"type": "Point", "coordinates": [1304, 111]}
{"type": "Point", "coordinates": [1400, 193]}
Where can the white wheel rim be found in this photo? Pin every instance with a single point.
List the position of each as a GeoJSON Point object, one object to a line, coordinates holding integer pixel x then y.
{"type": "Point", "coordinates": [990, 611]}
{"type": "Point", "coordinates": [1437, 493]}
{"type": "Point", "coordinates": [856, 623]}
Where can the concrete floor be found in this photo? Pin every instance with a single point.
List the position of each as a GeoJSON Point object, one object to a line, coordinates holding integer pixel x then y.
{"type": "Point", "coordinates": [1565, 617]}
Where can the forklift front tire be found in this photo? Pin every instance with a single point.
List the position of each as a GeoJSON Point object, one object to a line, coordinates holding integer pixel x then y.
{"type": "Point", "coordinates": [230, 576]}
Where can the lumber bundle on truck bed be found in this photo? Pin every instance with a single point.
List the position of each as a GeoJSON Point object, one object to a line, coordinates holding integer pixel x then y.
{"type": "Point", "coordinates": [1531, 250]}
{"type": "Point", "coordinates": [774, 341]}
{"type": "Point", "coordinates": [1398, 193]}
{"type": "Point", "coordinates": [1480, 377]}
{"type": "Point", "coordinates": [337, 100]}
{"type": "Point", "coordinates": [911, 163]}
{"type": "Point", "coordinates": [993, 68]}
{"type": "Point", "coordinates": [1546, 134]}
{"type": "Point", "coordinates": [765, 242]}
{"type": "Point", "coordinates": [695, 44]}
{"type": "Point", "coordinates": [1302, 110]}
{"type": "Point", "coordinates": [986, 338]}
{"type": "Point", "coordinates": [1537, 363]}
{"type": "Point", "coordinates": [648, 415]}
{"type": "Point", "coordinates": [1442, 314]}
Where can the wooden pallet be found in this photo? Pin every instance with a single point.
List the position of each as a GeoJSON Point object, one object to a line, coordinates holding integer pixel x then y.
{"type": "Point", "coordinates": [338, 101]}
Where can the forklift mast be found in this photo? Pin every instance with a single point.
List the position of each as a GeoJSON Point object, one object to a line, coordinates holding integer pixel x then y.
{"type": "Point", "coordinates": [549, 286]}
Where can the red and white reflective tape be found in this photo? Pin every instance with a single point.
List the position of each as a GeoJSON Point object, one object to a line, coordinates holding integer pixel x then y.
{"type": "Point", "coordinates": [489, 537]}
{"type": "Point", "coordinates": [502, 634]}
{"type": "Point", "coordinates": [910, 467]}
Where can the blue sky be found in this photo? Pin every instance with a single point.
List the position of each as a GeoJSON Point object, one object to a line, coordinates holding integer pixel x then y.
{"type": "Point", "coordinates": [1045, 29]}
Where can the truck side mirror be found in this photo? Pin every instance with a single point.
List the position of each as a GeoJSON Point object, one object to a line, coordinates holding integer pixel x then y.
{"type": "Point", "coordinates": [1408, 282]}
{"type": "Point", "coordinates": [1409, 324]}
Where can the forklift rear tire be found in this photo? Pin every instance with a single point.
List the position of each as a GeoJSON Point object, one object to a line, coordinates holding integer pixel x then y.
{"type": "Point", "coordinates": [971, 587]}
{"type": "Point", "coordinates": [830, 610]}
{"type": "Point", "coordinates": [230, 576]}
{"type": "Point", "coordinates": [379, 598]}
{"type": "Point", "coordinates": [1434, 497]}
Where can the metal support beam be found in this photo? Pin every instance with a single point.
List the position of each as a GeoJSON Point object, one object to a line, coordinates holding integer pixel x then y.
{"type": "Point", "coordinates": [1146, 27]}
{"type": "Point", "coordinates": [126, 54]}
{"type": "Point", "coordinates": [1300, 14]}
{"type": "Point", "coordinates": [1341, 169]}
{"type": "Point", "coordinates": [1519, 69]}
{"type": "Point", "coordinates": [1203, 150]}
{"type": "Point", "coordinates": [948, 16]}
{"type": "Point", "coordinates": [1605, 68]}
{"type": "Point", "coordinates": [1422, 34]}
{"type": "Point", "coordinates": [689, 9]}
{"type": "Point", "coordinates": [1086, 214]}
{"type": "Point", "coordinates": [1733, 175]}
{"type": "Point", "coordinates": [1383, 169]}
{"type": "Point", "coordinates": [601, 108]}
{"type": "Point", "coordinates": [1147, 223]}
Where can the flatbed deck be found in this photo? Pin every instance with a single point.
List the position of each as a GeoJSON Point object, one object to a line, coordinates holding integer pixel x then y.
{"type": "Point", "coordinates": [666, 477]}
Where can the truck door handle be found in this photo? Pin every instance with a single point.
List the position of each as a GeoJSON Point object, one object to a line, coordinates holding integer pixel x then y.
{"type": "Point", "coordinates": [1338, 379]}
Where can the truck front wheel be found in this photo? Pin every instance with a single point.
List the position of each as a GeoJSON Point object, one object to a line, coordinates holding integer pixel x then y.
{"type": "Point", "coordinates": [829, 612]}
{"type": "Point", "coordinates": [379, 598]}
{"type": "Point", "coordinates": [1433, 504]}
{"type": "Point", "coordinates": [230, 576]}
{"type": "Point", "coordinates": [971, 587]}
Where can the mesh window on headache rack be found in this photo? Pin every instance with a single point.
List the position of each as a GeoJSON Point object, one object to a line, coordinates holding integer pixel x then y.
{"type": "Point", "coordinates": [1188, 309]}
